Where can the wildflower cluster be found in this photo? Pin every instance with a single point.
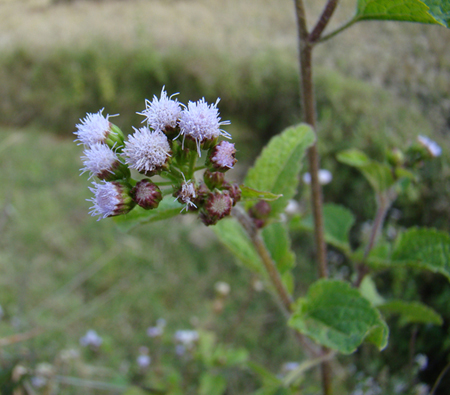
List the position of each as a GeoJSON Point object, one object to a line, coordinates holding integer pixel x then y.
{"type": "Point", "coordinates": [168, 148]}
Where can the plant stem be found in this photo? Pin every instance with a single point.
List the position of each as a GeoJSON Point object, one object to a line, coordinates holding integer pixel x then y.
{"type": "Point", "coordinates": [323, 20]}
{"type": "Point", "coordinates": [440, 377]}
{"type": "Point", "coordinates": [337, 31]}
{"type": "Point", "coordinates": [306, 43]}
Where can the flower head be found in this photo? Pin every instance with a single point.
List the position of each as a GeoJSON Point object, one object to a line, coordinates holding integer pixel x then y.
{"type": "Point", "coordinates": [95, 128]}
{"type": "Point", "coordinates": [102, 162]}
{"type": "Point", "coordinates": [91, 338]}
{"type": "Point", "coordinates": [217, 206]}
{"type": "Point", "coordinates": [325, 177]}
{"type": "Point", "coordinates": [431, 146]}
{"type": "Point", "coordinates": [186, 337]}
{"type": "Point", "coordinates": [201, 123]}
{"type": "Point", "coordinates": [147, 151]}
{"type": "Point", "coordinates": [223, 156]}
{"type": "Point", "coordinates": [162, 114]}
{"type": "Point", "coordinates": [111, 198]}
{"type": "Point", "coordinates": [146, 194]}
{"type": "Point", "coordinates": [186, 194]}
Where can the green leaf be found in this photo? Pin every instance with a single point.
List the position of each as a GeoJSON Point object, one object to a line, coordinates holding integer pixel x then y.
{"type": "Point", "coordinates": [276, 169]}
{"type": "Point", "coordinates": [169, 207]}
{"type": "Point", "coordinates": [423, 248]}
{"type": "Point", "coordinates": [370, 292]}
{"type": "Point", "coordinates": [252, 194]}
{"type": "Point", "coordinates": [378, 174]}
{"type": "Point", "coordinates": [212, 384]}
{"type": "Point", "coordinates": [231, 234]}
{"type": "Point", "coordinates": [404, 10]}
{"type": "Point", "coordinates": [338, 221]}
{"type": "Point", "coordinates": [278, 242]}
{"type": "Point", "coordinates": [336, 315]}
{"type": "Point", "coordinates": [411, 312]}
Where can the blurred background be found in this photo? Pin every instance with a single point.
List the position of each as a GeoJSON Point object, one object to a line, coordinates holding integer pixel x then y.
{"type": "Point", "coordinates": [378, 86]}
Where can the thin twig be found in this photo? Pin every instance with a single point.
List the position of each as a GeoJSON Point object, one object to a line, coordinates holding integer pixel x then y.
{"type": "Point", "coordinates": [323, 21]}
{"type": "Point", "coordinates": [337, 31]}
{"type": "Point", "coordinates": [439, 379]}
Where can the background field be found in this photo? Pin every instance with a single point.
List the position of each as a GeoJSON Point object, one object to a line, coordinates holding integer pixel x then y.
{"type": "Point", "coordinates": [379, 85]}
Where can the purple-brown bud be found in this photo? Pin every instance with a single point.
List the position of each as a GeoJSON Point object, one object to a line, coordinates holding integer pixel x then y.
{"type": "Point", "coordinates": [146, 194]}
{"type": "Point", "coordinates": [213, 179]}
{"type": "Point", "coordinates": [260, 213]}
{"type": "Point", "coordinates": [217, 206]}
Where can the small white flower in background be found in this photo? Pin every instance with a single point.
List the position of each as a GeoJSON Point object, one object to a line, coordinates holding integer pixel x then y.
{"type": "Point", "coordinates": [147, 151]}
{"type": "Point", "coordinates": [93, 129]}
{"type": "Point", "coordinates": [222, 288]}
{"type": "Point", "coordinates": [99, 160]}
{"type": "Point", "coordinates": [38, 381]}
{"type": "Point", "coordinates": [143, 360]}
{"type": "Point", "coordinates": [258, 285]}
{"type": "Point", "coordinates": [71, 353]}
{"type": "Point", "coordinates": [325, 177]}
{"type": "Point", "coordinates": [162, 114]}
{"type": "Point", "coordinates": [91, 338]}
{"type": "Point", "coordinates": [432, 147]}
{"type": "Point", "coordinates": [289, 366]}
{"type": "Point", "coordinates": [111, 198]}
{"type": "Point", "coordinates": [421, 389]}
{"type": "Point", "coordinates": [201, 122]}
{"type": "Point", "coordinates": [158, 330]}
{"type": "Point", "coordinates": [186, 337]}
{"type": "Point", "coordinates": [421, 360]}
{"type": "Point", "coordinates": [292, 207]}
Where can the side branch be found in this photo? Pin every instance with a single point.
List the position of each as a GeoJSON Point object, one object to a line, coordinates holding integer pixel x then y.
{"type": "Point", "coordinates": [323, 21]}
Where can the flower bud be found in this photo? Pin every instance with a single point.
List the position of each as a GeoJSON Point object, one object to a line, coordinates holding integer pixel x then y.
{"type": "Point", "coordinates": [186, 193]}
{"type": "Point", "coordinates": [223, 156]}
{"type": "Point", "coordinates": [111, 199]}
{"type": "Point", "coordinates": [396, 157]}
{"type": "Point", "coordinates": [217, 206]}
{"type": "Point", "coordinates": [213, 179]}
{"type": "Point", "coordinates": [260, 213]}
{"type": "Point", "coordinates": [102, 162]}
{"type": "Point", "coordinates": [146, 194]}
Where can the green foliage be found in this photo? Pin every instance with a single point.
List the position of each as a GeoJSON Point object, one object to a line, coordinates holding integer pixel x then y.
{"type": "Point", "coordinates": [411, 312]}
{"type": "Point", "coordinates": [338, 221]}
{"type": "Point", "coordinates": [169, 207]}
{"type": "Point", "coordinates": [252, 194]}
{"type": "Point", "coordinates": [427, 249]}
{"type": "Point", "coordinates": [427, 11]}
{"type": "Point", "coordinates": [212, 384]}
{"type": "Point", "coordinates": [336, 315]}
{"type": "Point", "coordinates": [276, 169]}
{"type": "Point", "coordinates": [379, 175]}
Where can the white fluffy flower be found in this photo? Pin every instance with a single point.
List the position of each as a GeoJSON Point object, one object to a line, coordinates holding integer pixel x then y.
{"type": "Point", "coordinates": [432, 147]}
{"type": "Point", "coordinates": [91, 338]}
{"type": "Point", "coordinates": [111, 198]}
{"type": "Point", "coordinates": [163, 113]}
{"type": "Point", "coordinates": [98, 160]}
{"type": "Point", "coordinates": [223, 155]}
{"type": "Point", "coordinates": [186, 194]}
{"type": "Point", "coordinates": [325, 177]}
{"type": "Point", "coordinates": [186, 337]}
{"type": "Point", "coordinates": [93, 129]}
{"type": "Point", "coordinates": [147, 151]}
{"type": "Point", "coordinates": [201, 122]}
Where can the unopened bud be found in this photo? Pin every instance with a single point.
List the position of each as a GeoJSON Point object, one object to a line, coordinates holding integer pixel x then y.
{"type": "Point", "coordinates": [213, 179]}
{"type": "Point", "coordinates": [260, 213]}
{"type": "Point", "coordinates": [217, 206]}
{"type": "Point", "coordinates": [234, 191]}
{"type": "Point", "coordinates": [396, 157]}
{"type": "Point", "coordinates": [146, 194]}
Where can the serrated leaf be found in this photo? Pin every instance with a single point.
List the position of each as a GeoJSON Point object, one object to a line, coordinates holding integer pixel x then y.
{"type": "Point", "coordinates": [424, 248]}
{"type": "Point", "coordinates": [276, 169]}
{"type": "Point", "coordinates": [168, 208]}
{"type": "Point", "coordinates": [338, 221]}
{"type": "Point", "coordinates": [378, 174]}
{"type": "Point", "coordinates": [403, 10]}
{"type": "Point", "coordinates": [411, 312]}
{"type": "Point", "coordinates": [252, 194]}
{"type": "Point", "coordinates": [230, 233]}
{"type": "Point", "coordinates": [336, 315]}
